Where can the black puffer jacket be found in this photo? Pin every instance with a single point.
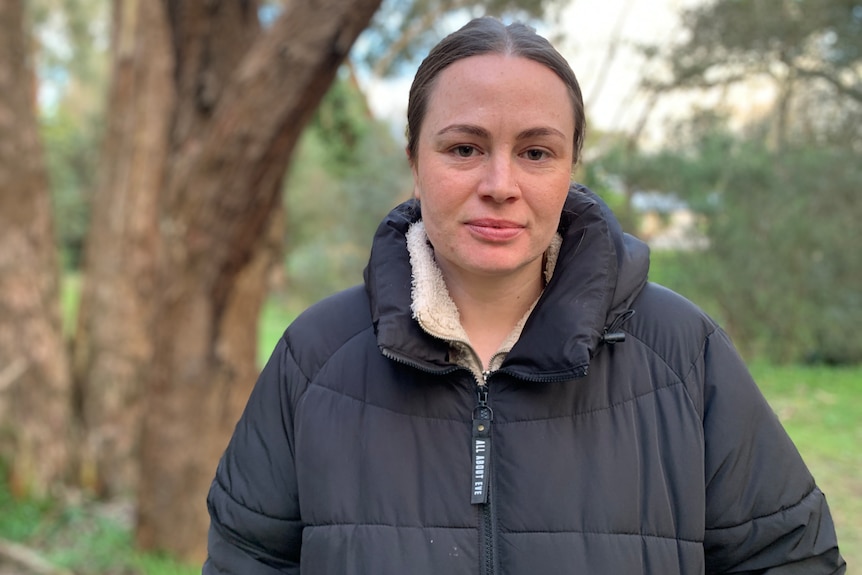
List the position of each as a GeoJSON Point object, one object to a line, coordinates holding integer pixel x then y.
{"type": "Point", "coordinates": [656, 454]}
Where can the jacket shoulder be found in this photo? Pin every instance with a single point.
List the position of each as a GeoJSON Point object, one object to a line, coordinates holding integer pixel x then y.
{"type": "Point", "coordinates": [318, 332]}
{"type": "Point", "coordinates": [673, 326]}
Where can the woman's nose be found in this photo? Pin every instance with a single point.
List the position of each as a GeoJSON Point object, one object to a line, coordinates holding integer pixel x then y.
{"type": "Point", "coordinates": [499, 182]}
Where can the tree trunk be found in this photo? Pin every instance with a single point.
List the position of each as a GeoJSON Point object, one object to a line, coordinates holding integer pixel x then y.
{"type": "Point", "coordinates": [223, 187]}
{"type": "Point", "coordinates": [170, 62]}
{"type": "Point", "coordinates": [35, 386]}
{"type": "Point", "coordinates": [113, 345]}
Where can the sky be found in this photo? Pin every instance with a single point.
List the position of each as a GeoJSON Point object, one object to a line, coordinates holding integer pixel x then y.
{"type": "Point", "coordinates": [609, 80]}
{"type": "Point", "coordinates": [614, 102]}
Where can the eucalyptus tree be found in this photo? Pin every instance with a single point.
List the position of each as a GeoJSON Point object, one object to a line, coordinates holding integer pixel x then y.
{"type": "Point", "coordinates": [811, 50]}
{"type": "Point", "coordinates": [35, 390]}
{"type": "Point", "coordinates": [205, 106]}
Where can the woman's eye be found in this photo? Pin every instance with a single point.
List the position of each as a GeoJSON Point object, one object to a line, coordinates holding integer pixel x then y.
{"type": "Point", "coordinates": [464, 151]}
{"type": "Point", "coordinates": [535, 154]}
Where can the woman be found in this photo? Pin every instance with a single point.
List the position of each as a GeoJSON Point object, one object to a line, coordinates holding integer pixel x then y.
{"type": "Point", "coordinates": [507, 393]}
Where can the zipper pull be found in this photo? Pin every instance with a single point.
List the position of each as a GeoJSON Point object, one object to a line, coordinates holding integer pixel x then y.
{"type": "Point", "coordinates": [482, 417]}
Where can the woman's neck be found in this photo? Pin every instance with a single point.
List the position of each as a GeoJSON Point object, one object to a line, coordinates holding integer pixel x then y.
{"type": "Point", "coordinates": [491, 306]}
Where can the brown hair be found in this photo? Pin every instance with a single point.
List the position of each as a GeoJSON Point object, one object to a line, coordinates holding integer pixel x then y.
{"type": "Point", "coordinates": [490, 36]}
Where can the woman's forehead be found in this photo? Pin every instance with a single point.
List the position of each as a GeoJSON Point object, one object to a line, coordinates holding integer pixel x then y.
{"type": "Point", "coordinates": [485, 86]}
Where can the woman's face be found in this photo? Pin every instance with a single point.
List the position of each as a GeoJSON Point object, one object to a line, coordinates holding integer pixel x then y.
{"type": "Point", "coordinates": [493, 165]}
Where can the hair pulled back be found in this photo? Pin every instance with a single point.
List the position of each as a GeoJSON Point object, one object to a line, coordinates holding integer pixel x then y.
{"type": "Point", "coordinates": [490, 36]}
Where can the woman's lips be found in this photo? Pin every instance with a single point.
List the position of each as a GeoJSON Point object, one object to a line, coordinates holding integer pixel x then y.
{"type": "Point", "coordinates": [495, 230]}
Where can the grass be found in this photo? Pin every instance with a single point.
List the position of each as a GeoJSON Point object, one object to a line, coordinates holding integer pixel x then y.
{"type": "Point", "coordinates": [275, 317]}
{"type": "Point", "coordinates": [821, 409]}
{"type": "Point", "coordinates": [84, 537]}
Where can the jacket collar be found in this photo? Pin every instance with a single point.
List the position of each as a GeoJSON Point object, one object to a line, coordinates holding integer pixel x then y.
{"type": "Point", "coordinates": [599, 271]}
{"type": "Point", "coordinates": [438, 315]}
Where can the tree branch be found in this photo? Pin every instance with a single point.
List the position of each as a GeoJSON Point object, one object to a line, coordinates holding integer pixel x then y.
{"type": "Point", "coordinates": [835, 82]}
{"type": "Point", "coordinates": [385, 62]}
{"type": "Point", "coordinates": [610, 55]}
{"type": "Point", "coordinates": [694, 82]}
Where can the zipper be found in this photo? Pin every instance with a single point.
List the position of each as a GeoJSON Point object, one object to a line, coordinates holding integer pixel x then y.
{"type": "Point", "coordinates": [437, 370]}
{"type": "Point", "coordinates": [480, 486]}
{"type": "Point", "coordinates": [482, 494]}
{"type": "Point", "coordinates": [483, 416]}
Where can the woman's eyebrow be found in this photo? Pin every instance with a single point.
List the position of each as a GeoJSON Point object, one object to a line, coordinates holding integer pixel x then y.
{"type": "Point", "coordinates": [473, 130]}
{"type": "Point", "coordinates": [541, 131]}
{"type": "Point", "coordinates": [469, 129]}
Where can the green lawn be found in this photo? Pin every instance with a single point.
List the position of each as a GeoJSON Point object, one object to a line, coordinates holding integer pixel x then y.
{"type": "Point", "coordinates": [274, 320]}
{"type": "Point", "coordinates": [821, 408]}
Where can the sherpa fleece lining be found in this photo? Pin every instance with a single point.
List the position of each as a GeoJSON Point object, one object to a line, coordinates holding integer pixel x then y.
{"type": "Point", "coordinates": [437, 313]}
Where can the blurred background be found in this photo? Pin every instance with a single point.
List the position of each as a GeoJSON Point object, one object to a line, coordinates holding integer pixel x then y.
{"type": "Point", "coordinates": [179, 179]}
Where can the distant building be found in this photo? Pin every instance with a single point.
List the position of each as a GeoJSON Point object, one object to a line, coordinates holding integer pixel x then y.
{"type": "Point", "coordinates": [667, 223]}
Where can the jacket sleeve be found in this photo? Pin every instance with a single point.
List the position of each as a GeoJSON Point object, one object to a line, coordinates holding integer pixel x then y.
{"type": "Point", "coordinates": [764, 513]}
{"type": "Point", "coordinates": [254, 511]}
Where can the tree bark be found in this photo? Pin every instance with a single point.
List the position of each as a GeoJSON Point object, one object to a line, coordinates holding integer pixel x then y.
{"type": "Point", "coordinates": [113, 343]}
{"type": "Point", "coordinates": [35, 387]}
{"type": "Point", "coordinates": [223, 187]}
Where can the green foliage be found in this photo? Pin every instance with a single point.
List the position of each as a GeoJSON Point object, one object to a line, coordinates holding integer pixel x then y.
{"type": "Point", "coordinates": [782, 266]}
{"type": "Point", "coordinates": [817, 36]}
{"type": "Point", "coordinates": [677, 270]}
{"type": "Point", "coordinates": [616, 173]}
{"type": "Point", "coordinates": [19, 520]}
{"type": "Point", "coordinates": [341, 124]}
{"type": "Point", "coordinates": [70, 295]}
{"type": "Point", "coordinates": [810, 51]}
{"type": "Point", "coordinates": [348, 172]}
{"type": "Point", "coordinates": [788, 282]}
{"type": "Point", "coordinates": [147, 564]}
{"type": "Point", "coordinates": [76, 537]}
{"type": "Point", "coordinates": [274, 319]}
{"type": "Point", "coordinates": [72, 153]}
{"type": "Point", "coordinates": [73, 63]}
{"type": "Point", "coordinates": [778, 199]}
{"type": "Point", "coordinates": [87, 538]}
